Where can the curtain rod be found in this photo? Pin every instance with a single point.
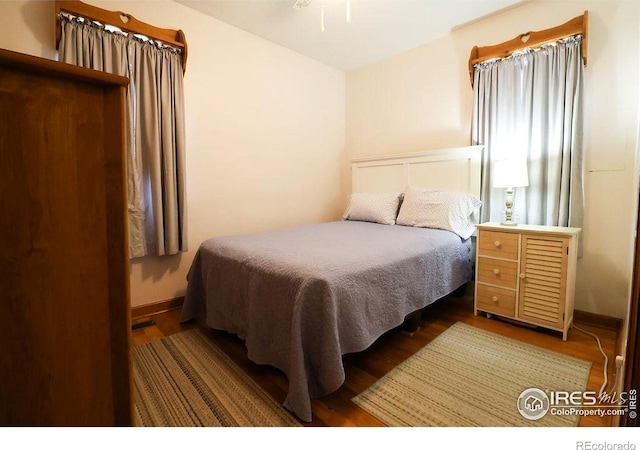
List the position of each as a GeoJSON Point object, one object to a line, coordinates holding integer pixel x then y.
{"type": "Point", "coordinates": [532, 39]}
{"type": "Point", "coordinates": [124, 21]}
{"type": "Point", "coordinates": [66, 16]}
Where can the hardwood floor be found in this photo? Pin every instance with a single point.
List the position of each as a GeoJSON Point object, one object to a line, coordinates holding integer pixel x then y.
{"type": "Point", "coordinates": [365, 368]}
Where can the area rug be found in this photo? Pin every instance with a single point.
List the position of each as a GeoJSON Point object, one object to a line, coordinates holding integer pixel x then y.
{"type": "Point", "coordinates": [468, 377]}
{"type": "Point", "coordinates": [184, 380]}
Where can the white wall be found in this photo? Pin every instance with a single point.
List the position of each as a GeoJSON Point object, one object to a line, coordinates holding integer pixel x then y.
{"type": "Point", "coordinates": [265, 130]}
{"type": "Point", "coordinates": [266, 126]}
{"type": "Point", "coordinates": [422, 99]}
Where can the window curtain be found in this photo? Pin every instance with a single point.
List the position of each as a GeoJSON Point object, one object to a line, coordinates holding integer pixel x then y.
{"type": "Point", "coordinates": [530, 106]}
{"type": "Point", "coordinates": [155, 137]}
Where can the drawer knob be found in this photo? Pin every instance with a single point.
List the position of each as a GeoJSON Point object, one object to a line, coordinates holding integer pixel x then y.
{"type": "Point", "coordinates": [522, 276]}
{"type": "Point", "coordinates": [494, 299]}
{"type": "Point", "coordinates": [497, 243]}
{"type": "Point", "coordinates": [496, 271]}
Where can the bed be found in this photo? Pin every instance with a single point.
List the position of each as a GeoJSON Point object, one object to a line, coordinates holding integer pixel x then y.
{"type": "Point", "coordinates": [304, 296]}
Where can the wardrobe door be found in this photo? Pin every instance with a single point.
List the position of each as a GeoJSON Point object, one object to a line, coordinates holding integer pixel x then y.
{"type": "Point", "coordinates": [64, 297]}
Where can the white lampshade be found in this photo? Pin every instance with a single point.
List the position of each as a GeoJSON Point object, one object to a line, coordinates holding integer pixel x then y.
{"type": "Point", "coordinates": [510, 173]}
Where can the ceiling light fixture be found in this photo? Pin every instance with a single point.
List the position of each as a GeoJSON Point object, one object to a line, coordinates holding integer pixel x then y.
{"type": "Point", "coordinates": [299, 4]}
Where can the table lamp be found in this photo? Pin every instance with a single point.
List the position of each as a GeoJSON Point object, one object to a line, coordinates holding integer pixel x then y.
{"type": "Point", "coordinates": [509, 173]}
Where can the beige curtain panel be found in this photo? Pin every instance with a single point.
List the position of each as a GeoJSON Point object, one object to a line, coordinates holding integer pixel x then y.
{"type": "Point", "coordinates": [155, 130]}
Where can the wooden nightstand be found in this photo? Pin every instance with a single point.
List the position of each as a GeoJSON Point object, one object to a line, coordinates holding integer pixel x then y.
{"type": "Point", "coordinates": [527, 273]}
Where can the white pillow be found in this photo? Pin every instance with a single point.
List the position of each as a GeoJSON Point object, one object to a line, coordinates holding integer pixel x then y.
{"type": "Point", "coordinates": [379, 208]}
{"type": "Point", "coordinates": [445, 210]}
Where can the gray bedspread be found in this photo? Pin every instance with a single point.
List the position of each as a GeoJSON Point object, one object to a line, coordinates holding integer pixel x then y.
{"type": "Point", "coordinates": [302, 297]}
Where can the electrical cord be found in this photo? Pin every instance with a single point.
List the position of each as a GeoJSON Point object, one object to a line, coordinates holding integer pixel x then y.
{"type": "Point", "coordinates": [606, 363]}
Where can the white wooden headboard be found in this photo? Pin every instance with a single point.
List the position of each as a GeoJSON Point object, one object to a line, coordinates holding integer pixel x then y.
{"type": "Point", "coordinates": [452, 169]}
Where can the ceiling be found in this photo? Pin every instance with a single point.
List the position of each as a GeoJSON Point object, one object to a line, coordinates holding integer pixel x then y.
{"type": "Point", "coordinates": [378, 28]}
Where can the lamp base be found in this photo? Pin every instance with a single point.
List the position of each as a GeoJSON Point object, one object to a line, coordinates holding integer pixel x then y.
{"type": "Point", "coordinates": [509, 212]}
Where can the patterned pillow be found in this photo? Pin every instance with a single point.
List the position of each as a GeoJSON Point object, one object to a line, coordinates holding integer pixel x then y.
{"type": "Point", "coordinates": [445, 210]}
{"type": "Point", "coordinates": [379, 208]}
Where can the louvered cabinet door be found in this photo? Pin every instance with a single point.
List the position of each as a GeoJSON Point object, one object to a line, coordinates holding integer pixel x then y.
{"type": "Point", "coordinates": [543, 279]}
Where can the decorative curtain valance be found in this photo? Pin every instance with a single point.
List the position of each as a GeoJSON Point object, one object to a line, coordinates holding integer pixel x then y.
{"type": "Point", "coordinates": [532, 40]}
{"type": "Point", "coordinates": [124, 22]}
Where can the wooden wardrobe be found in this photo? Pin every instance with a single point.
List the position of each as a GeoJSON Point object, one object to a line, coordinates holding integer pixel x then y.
{"type": "Point", "coordinates": [64, 282]}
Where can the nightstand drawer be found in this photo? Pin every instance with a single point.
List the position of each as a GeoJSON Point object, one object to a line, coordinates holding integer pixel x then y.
{"type": "Point", "coordinates": [498, 272]}
{"type": "Point", "coordinates": [496, 300]}
{"type": "Point", "coordinates": [498, 245]}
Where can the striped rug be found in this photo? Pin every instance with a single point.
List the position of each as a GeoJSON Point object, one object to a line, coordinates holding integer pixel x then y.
{"type": "Point", "coordinates": [469, 377]}
{"type": "Point", "coordinates": [184, 380]}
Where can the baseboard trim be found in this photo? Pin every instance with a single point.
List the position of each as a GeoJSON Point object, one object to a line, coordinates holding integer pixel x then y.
{"type": "Point", "coordinates": [598, 320]}
{"type": "Point", "coordinates": [151, 309]}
